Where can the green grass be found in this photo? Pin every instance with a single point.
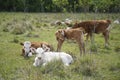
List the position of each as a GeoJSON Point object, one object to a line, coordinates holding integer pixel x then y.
{"type": "Point", "coordinates": [103, 64]}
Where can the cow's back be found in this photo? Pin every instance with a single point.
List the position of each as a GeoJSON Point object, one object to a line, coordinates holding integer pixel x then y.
{"type": "Point", "coordinates": [96, 26]}
{"type": "Point", "coordinates": [72, 33]}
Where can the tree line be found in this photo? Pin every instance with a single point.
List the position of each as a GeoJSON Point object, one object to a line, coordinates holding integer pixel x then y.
{"type": "Point", "coordinates": [60, 5]}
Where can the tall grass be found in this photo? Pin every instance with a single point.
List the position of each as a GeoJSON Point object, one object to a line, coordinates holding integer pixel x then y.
{"type": "Point", "coordinates": [99, 63]}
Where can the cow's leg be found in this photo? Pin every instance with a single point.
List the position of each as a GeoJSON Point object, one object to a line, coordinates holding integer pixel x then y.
{"type": "Point", "coordinates": [91, 37]}
{"type": "Point", "coordinates": [81, 45]}
{"type": "Point", "coordinates": [106, 37]}
{"type": "Point", "coordinates": [81, 48]}
{"type": "Point", "coordinates": [87, 36]}
{"type": "Point", "coordinates": [59, 45]}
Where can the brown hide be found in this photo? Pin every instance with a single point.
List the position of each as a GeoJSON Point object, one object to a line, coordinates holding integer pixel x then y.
{"type": "Point", "coordinates": [95, 26]}
{"type": "Point", "coordinates": [73, 34]}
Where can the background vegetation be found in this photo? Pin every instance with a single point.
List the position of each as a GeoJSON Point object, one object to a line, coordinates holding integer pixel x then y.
{"type": "Point", "coordinates": [101, 64]}
{"type": "Point", "coordinates": [60, 5]}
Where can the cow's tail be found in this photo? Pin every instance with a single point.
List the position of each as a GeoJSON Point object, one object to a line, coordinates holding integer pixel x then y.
{"type": "Point", "coordinates": [109, 25]}
{"type": "Point", "coordinates": [82, 36]}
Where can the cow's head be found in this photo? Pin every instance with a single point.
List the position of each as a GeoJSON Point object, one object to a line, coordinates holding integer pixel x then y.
{"type": "Point", "coordinates": [76, 25]}
{"type": "Point", "coordinates": [40, 57]}
{"type": "Point", "coordinates": [60, 35]}
{"type": "Point", "coordinates": [40, 50]}
{"type": "Point", "coordinates": [26, 48]}
{"type": "Point", "coordinates": [37, 61]}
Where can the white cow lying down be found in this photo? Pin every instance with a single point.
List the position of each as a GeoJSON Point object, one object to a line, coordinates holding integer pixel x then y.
{"type": "Point", "coordinates": [44, 57]}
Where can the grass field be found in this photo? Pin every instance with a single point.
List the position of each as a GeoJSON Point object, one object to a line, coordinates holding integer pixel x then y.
{"type": "Point", "coordinates": [102, 64]}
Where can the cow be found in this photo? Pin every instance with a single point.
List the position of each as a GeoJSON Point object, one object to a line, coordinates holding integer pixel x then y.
{"type": "Point", "coordinates": [73, 34]}
{"type": "Point", "coordinates": [30, 47]}
{"type": "Point", "coordinates": [43, 58]}
{"type": "Point", "coordinates": [95, 26]}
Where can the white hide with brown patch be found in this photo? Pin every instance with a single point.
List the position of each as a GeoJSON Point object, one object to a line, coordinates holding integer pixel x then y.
{"type": "Point", "coordinates": [30, 47]}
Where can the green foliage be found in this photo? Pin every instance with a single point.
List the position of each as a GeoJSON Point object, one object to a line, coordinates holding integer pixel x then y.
{"type": "Point", "coordinates": [60, 5]}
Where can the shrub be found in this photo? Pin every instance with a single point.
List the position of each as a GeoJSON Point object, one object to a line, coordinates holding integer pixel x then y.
{"type": "Point", "coordinates": [18, 27]}
{"type": "Point", "coordinates": [52, 67]}
{"type": "Point", "coordinates": [18, 30]}
{"type": "Point", "coordinates": [86, 66]}
{"type": "Point", "coordinates": [117, 48]}
{"type": "Point", "coordinates": [93, 47]}
{"type": "Point", "coordinates": [15, 40]}
{"type": "Point", "coordinates": [56, 69]}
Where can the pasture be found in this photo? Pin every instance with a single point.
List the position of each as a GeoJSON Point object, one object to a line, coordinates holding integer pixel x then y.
{"type": "Point", "coordinates": [99, 63]}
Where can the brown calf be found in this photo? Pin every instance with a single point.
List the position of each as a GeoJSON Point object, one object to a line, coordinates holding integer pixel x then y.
{"type": "Point", "coordinates": [76, 34]}
{"type": "Point", "coordinates": [35, 45]}
{"type": "Point", "coordinates": [95, 26]}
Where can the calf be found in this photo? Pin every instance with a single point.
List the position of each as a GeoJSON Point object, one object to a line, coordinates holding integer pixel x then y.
{"type": "Point", "coordinates": [44, 58]}
{"type": "Point", "coordinates": [30, 47]}
{"type": "Point", "coordinates": [75, 34]}
{"type": "Point", "coordinates": [95, 26]}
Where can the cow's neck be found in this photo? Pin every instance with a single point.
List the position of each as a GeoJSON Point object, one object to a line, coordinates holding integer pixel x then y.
{"type": "Point", "coordinates": [67, 36]}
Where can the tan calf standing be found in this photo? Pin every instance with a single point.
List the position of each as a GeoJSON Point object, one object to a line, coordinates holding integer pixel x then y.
{"type": "Point", "coordinates": [74, 34]}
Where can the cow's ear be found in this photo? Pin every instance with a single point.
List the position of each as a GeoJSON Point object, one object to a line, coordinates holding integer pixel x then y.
{"type": "Point", "coordinates": [43, 45]}
{"type": "Point", "coordinates": [21, 43]}
{"type": "Point", "coordinates": [59, 31]}
{"type": "Point", "coordinates": [33, 50]}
